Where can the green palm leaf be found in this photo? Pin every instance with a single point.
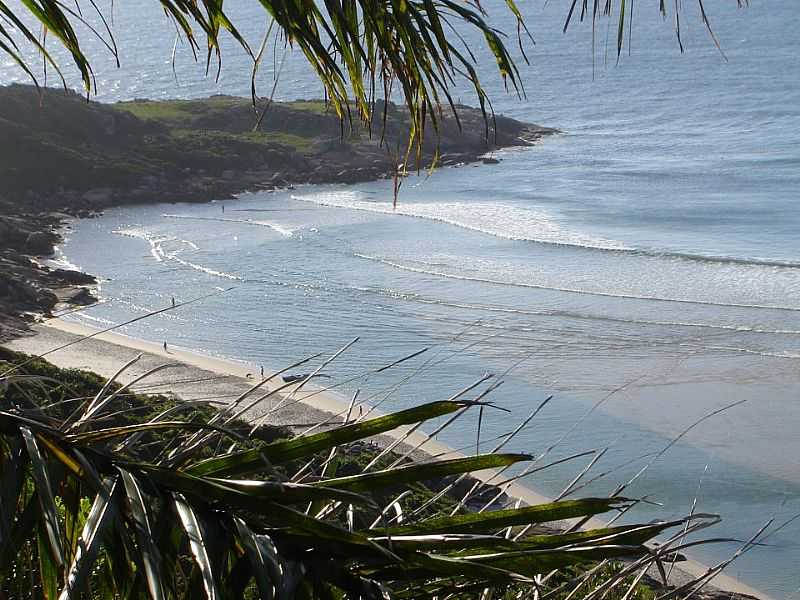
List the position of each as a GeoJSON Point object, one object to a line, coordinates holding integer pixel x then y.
{"type": "Point", "coordinates": [265, 561]}
{"type": "Point", "coordinates": [103, 435]}
{"type": "Point", "coordinates": [449, 543]}
{"type": "Point", "coordinates": [367, 482]}
{"type": "Point", "coordinates": [151, 557]}
{"type": "Point", "coordinates": [44, 492]}
{"type": "Point", "coordinates": [198, 544]}
{"type": "Point", "coordinates": [306, 446]}
{"type": "Point", "coordinates": [533, 562]}
{"type": "Point", "coordinates": [49, 571]}
{"type": "Point", "coordinates": [244, 494]}
{"type": "Point", "coordinates": [100, 516]}
{"type": "Point", "coordinates": [498, 519]}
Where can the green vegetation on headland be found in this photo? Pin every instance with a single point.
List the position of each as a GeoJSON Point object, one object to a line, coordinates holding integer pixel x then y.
{"type": "Point", "coordinates": [63, 155]}
{"type": "Point", "coordinates": [62, 152]}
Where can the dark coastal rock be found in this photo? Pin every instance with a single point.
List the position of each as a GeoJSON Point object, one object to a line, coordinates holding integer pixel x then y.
{"type": "Point", "coordinates": [82, 297]}
{"type": "Point", "coordinates": [40, 243]}
{"type": "Point", "coordinates": [98, 197]}
{"type": "Point", "coordinates": [72, 277]}
{"type": "Point", "coordinates": [6, 232]}
{"type": "Point", "coordinates": [12, 233]}
{"type": "Point", "coordinates": [488, 160]}
{"type": "Point", "coordinates": [26, 294]}
{"type": "Point", "coordinates": [45, 299]}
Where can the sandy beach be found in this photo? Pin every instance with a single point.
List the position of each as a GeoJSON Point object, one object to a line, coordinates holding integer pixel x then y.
{"type": "Point", "coordinates": [197, 377]}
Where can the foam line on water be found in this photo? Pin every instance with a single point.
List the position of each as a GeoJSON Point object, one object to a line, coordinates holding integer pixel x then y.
{"type": "Point", "coordinates": [190, 243]}
{"type": "Point", "coordinates": [276, 227]}
{"type": "Point", "coordinates": [499, 220]}
{"type": "Point", "coordinates": [157, 251]}
{"type": "Point", "coordinates": [98, 320]}
{"type": "Point", "coordinates": [572, 314]}
{"type": "Point", "coordinates": [518, 224]}
{"type": "Point", "coordinates": [207, 270]}
{"type": "Point", "coordinates": [443, 274]}
{"type": "Point", "coordinates": [567, 314]}
{"type": "Point", "coordinates": [154, 240]}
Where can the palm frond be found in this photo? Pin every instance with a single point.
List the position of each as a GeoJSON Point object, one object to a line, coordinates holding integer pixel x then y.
{"type": "Point", "coordinates": [151, 528]}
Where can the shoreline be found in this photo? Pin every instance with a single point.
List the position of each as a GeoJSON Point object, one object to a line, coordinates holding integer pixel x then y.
{"type": "Point", "coordinates": [152, 151]}
{"type": "Point", "coordinates": [230, 373]}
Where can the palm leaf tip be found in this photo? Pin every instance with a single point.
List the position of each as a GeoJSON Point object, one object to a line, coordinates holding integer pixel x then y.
{"type": "Point", "coordinates": [134, 522]}
{"type": "Point", "coordinates": [354, 47]}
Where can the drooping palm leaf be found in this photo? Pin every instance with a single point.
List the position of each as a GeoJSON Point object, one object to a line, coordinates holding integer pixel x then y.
{"type": "Point", "coordinates": [100, 517]}
{"type": "Point", "coordinates": [355, 47]}
{"type": "Point", "coordinates": [421, 472]}
{"type": "Point", "coordinates": [198, 543]}
{"type": "Point", "coordinates": [151, 555]}
{"type": "Point", "coordinates": [44, 492]}
{"type": "Point", "coordinates": [160, 530]}
{"type": "Point", "coordinates": [305, 446]}
{"type": "Point", "coordinates": [489, 521]}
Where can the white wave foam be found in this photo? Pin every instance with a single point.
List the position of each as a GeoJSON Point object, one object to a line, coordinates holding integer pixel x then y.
{"type": "Point", "coordinates": [447, 275]}
{"type": "Point", "coordinates": [499, 220]}
{"type": "Point", "coordinates": [413, 297]}
{"type": "Point", "coordinates": [60, 261]}
{"type": "Point", "coordinates": [157, 251]}
{"type": "Point", "coordinates": [133, 306]}
{"type": "Point", "coordinates": [100, 320]}
{"type": "Point", "coordinates": [190, 243]}
{"type": "Point", "coordinates": [154, 240]}
{"type": "Point", "coordinates": [276, 227]}
{"type": "Point", "coordinates": [208, 270]}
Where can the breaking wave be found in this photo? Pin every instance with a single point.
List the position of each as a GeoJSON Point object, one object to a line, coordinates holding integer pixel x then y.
{"type": "Point", "coordinates": [444, 274]}
{"type": "Point", "coordinates": [277, 228]}
{"type": "Point", "coordinates": [160, 254]}
{"type": "Point", "coordinates": [500, 220]}
{"type": "Point", "coordinates": [515, 223]}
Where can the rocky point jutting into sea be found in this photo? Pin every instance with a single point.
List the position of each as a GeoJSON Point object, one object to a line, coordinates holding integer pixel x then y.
{"type": "Point", "coordinates": [64, 156]}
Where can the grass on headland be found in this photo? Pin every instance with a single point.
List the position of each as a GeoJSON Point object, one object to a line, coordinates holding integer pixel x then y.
{"type": "Point", "coordinates": [220, 142]}
{"type": "Point", "coordinates": [178, 112]}
{"type": "Point", "coordinates": [158, 110]}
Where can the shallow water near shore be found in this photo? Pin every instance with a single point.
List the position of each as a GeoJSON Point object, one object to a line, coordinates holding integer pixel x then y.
{"type": "Point", "coordinates": [305, 277]}
{"type": "Point", "coordinates": [649, 255]}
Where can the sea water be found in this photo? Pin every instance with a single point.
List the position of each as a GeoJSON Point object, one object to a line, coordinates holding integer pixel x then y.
{"type": "Point", "coordinates": [642, 267]}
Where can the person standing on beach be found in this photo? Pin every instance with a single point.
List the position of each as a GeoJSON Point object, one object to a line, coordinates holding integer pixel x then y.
{"type": "Point", "coordinates": [165, 346]}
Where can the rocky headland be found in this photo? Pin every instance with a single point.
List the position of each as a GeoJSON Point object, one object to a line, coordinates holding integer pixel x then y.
{"type": "Point", "coordinates": [64, 156]}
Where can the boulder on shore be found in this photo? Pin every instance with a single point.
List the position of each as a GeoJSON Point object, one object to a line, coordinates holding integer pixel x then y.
{"type": "Point", "coordinates": [40, 243]}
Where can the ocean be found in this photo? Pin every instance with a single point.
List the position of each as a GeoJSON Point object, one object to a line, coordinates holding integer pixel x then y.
{"type": "Point", "coordinates": [642, 267]}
